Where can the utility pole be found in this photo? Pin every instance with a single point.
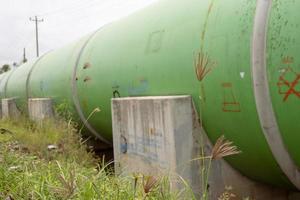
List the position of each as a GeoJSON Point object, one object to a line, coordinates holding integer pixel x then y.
{"type": "Point", "coordinates": [36, 20]}
{"type": "Point", "coordinates": [24, 56]}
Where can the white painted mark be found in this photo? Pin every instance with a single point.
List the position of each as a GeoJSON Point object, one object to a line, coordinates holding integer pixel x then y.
{"type": "Point", "coordinates": [242, 74]}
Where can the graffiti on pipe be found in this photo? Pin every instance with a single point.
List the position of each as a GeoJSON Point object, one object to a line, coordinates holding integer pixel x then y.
{"type": "Point", "coordinates": [138, 86]}
{"type": "Point", "coordinates": [155, 41]}
{"type": "Point", "coordinates": [230, 103]}
{"type": "Point", "coordinates": [115, 89]}
{"type": "Point", "coordinates": [288, 83]}
{"type": "Point", "coordinates": [124, 145]}
{"type": "Point", "coordinates": [148, 146]}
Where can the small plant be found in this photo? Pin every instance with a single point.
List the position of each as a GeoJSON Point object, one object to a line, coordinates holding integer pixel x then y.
{"type": "Point", "coordinates": [68, 183]}
{"type": "Point", "coordinates": [63, 110]}
{"type": "Point", "coordinates": [227, 194]}
{"type": "Point", "coordinates": [221, 149]}
{"type": "Point", "coordinates": [96, 110]}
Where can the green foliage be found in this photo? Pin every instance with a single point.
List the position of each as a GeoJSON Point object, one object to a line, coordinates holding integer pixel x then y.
{"type": "Point", "coordinates": [63, 110]}
{"type": "Point", "coordinates": [30, 170]}
{"type": "Point", "coordinates": [34, 138]}
{"type": "Point", "coordinates": [4, 68]}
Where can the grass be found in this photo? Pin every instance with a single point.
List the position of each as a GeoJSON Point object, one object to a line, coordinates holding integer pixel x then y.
{"type": "Point", "coordinates": [221, 149]}
{"type": "Point", "coordinates": [51, 161]}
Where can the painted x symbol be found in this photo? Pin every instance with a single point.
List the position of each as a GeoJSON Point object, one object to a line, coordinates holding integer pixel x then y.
{"type": "Point", "coordinates": [291, 86]}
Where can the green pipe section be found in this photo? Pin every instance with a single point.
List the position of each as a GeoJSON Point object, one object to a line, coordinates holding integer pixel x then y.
{"type": "Point", "coordinates": [155, 52]}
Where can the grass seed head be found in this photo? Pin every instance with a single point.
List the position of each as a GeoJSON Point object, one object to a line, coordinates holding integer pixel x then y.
{"type": "Point", "coordinates": [224, 148]}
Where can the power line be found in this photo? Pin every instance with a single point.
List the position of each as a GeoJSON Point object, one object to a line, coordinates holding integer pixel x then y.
{"type": "Point", "coordinates": [36, 20]}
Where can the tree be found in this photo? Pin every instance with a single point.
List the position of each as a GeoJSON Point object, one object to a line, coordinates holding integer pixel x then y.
{"type": "Point", "coordinates": [4, 68]}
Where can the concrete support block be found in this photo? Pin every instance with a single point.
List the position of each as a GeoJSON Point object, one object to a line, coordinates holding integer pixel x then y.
{"type": "Point", "coordinates": [40, 109]}
{"type": "Point", "coordinates": [161, 135]}
{"type": "Point", "coordinates": [9, 108]}
{"type": "Point", "coordinates": [154, 135]}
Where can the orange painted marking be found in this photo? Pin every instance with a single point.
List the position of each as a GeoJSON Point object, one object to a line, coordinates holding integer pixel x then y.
{"type": "Point", "coordinates": [230, 104]}
{"type": "Point", "coordinates": [284, 83]}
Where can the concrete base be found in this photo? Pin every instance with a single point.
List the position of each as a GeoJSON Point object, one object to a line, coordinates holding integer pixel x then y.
{"type": "Point", "coordinates": [161, 135]}
{"type": "Point", "coordinates": [40, 109]}
{"type": "Point", "coordinates": [155, 136]}
{"type": "Point", "coordinates": [9, 108]}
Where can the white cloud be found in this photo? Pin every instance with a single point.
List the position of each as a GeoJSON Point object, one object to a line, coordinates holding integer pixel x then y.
{"type": "Point", "coordinates": [64, 21]}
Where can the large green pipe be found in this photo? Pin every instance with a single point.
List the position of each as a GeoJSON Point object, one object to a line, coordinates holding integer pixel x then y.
{"type": "Point", "coordinates": [246, 85]}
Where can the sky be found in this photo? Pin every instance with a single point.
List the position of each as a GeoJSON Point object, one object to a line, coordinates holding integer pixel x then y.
{"type": "Point", "coordinates": [63, 22]}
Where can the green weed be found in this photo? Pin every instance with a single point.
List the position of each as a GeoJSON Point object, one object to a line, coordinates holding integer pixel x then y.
{"type": "Point", "coordinates": [50, 161]}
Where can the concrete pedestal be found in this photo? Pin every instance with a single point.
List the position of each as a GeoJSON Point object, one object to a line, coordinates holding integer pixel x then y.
{"type": "Point", "coordinates": [154, 135]}
{"type": "Point", "coordinates": [161, 135]}
{"type": "Point", "coordinates": [9, 108]}
{"type": "Point", "coordinates": [40, 109]}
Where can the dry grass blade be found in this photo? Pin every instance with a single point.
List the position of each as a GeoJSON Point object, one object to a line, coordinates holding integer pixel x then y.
{"type": "Point", "coordinates": [203, 65]}
{"type": "Point", "coordinates": [68, 184]}
{"type": "Point", "coordinates": [96, 110]}
{"type": "Point", "coordinates": [149, 184]}
{"type": "Point", "coordinates": [3, 131]}
{"type": "Point", "coordinates": [224, 148]}
{"type": "Point", "coordinates": [136, 177]}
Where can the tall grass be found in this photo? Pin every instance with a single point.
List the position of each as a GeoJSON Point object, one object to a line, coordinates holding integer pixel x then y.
{"type": "Point", "coordinates": [221, 149]}
{"type": "Point", "coordinates": [30, 169]}
{"type": "Point", "coordinates": [51, 161]}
